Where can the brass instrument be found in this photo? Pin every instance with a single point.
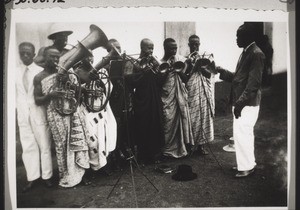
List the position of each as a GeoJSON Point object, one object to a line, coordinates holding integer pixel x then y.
{"type": "Point", "coordinates": [154, 64]}
{"type": "Point", "coordinates": [69, 82]}
{"type": "Point", "coordinates": [96, 96]}
{"type": "Point", "coordinates": [95, 91]}
{"type": "Point", "coordinates": [204, 61]}
{"type": "Point", "coordinates": [170, 66]}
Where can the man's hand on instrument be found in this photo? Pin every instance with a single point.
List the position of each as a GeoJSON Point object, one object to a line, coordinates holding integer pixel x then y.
{"type": "Point", "coordinates": [93, 75]}
{"type": "Point", "coordinates": [63, 77]}
{"type": "Point", "coordinates": [56, 94]}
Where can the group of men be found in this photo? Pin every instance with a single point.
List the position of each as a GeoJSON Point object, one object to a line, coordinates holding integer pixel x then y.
{"type": "Point", "coordinates": [154, 113]}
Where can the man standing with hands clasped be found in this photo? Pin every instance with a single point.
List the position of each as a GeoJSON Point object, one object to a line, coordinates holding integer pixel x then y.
{"type": "Point", "coordinates": [245, 97]}
{"type": "Point", "coordinates": [34, 131]}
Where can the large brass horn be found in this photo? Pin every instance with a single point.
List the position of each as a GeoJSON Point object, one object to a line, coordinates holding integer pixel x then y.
{"type": "Point", "coordinates": [96, 38]}
{"type": "Point", "coordinates": [68, 102]}
{"type": "Point", "coordinates": [76, 54]}
{"type": "Point", "coordinates": [95, 96]}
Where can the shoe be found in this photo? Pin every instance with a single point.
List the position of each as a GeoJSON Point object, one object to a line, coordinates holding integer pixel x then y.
{"type": "Point", "coordinates": [229, 148]}
{"type": "Point", "coordinates": [234, 168]}
{"type": "Point", "coordinates": [202, 150]}
{"type": "Point", "coordinates": [242, 174]}
{"type": "Point", "coordinates": [48, 183]}
{"type": "Point", "coordinates": [29, 186]}
{"type": "Point", "coordinates": [86, 181]}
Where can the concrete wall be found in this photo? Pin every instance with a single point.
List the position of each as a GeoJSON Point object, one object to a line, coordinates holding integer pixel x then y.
{"type": "Point", "coordinates": [279, 43]}
{"type": "Point", "coordinates": [180, 31]}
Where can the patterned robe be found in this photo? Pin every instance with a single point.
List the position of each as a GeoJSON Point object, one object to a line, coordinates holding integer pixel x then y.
{"type": "Point", "coordinates": [176, 117]}
{"type": "Point", "coordinates": [69, 134]}
{"type": "Point", "coordinates": [201, 106]}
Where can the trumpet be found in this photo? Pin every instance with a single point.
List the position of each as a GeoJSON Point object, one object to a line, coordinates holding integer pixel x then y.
{"type": "Point", "coordinates": [156, 66]}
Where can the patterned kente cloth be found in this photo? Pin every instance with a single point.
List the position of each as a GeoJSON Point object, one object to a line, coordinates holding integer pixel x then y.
{"type": "Point", "coordinates": [176, 117]}
{"type": "Point", "coordinates": [70, 140]}
{"type": "Point", "coordinates": [201, 106]}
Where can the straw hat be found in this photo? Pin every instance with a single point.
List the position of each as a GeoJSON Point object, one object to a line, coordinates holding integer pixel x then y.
{"type": "Point", "coordinates": [58, 29]}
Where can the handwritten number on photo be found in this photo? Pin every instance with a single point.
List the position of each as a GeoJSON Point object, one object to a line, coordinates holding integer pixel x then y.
{"type": "Point", "coordinates": [42, 1]}
{"type": "Point", "coordinates": [20, 1]}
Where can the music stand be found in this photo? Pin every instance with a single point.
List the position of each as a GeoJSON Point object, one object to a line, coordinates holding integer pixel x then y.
{"type": "Point", "coordinates": [119, 70]}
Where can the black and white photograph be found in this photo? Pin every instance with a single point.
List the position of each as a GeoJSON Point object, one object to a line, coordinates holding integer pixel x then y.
{"type": "Point", "coordinates": [149, 108]}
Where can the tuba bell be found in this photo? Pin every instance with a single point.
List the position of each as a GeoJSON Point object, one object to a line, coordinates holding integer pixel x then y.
{"type": "Point", "coordinates": [69, 82]}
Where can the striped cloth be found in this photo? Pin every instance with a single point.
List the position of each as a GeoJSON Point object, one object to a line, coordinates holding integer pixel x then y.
{"type": "Point", "coordinates": [201, 106]}
{"type": "Point", "coordinates": [176, 117]}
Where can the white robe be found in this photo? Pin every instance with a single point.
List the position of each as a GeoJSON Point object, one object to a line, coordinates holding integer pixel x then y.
{"type": "Point", "coordinates": [101, 134]}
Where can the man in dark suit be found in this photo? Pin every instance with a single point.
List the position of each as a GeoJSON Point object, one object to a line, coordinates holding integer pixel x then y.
{"type": "Point", "coordinates": [245, 97]}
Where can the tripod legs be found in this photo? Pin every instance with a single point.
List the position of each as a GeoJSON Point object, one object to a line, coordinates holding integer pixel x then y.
{"type": "Point", "coordinates": [131, 159]}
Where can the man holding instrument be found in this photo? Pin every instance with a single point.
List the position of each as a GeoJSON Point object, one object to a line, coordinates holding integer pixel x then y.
{"type": "Point", "coordinates": [99, 121]}
{"type": "Point", "coordinates": [113, 64]}
{"type": "Point", "coordinates": [67, 130]}
{"type": "Point", "coordinates": [200, 96]}
{"type": "Point", "coordinates": [176, 117]}
{"type": "Point", "coordinates": [147, 106]}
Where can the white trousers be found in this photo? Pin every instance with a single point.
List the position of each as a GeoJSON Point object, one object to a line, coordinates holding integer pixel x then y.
{"type": "Point", "coordinates": [36, 146]}
{"type": "Point", "coordinates": [243, 135]}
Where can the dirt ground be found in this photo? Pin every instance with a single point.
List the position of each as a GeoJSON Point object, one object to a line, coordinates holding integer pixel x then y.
{"type": "Point", "coordinates": [214, 187]}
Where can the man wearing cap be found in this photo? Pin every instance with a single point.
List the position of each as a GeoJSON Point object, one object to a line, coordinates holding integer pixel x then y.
{"type": "Point", "coordinates": [59, 36]}
{"type": "Point", "coordinates": [33, 126]}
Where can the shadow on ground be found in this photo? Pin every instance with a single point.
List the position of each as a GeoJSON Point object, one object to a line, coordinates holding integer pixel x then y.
{"type": "Point", "coordinates": [214, 187]}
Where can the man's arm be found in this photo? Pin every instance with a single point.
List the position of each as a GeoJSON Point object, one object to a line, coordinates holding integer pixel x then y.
{"type": "Point", "coordinates": [225, 74]}
{"type": "Point", "coordinates": [39, 97]}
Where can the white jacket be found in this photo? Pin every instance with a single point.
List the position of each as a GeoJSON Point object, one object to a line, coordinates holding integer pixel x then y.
{"type": "Point", "coordinates": [25, 100]}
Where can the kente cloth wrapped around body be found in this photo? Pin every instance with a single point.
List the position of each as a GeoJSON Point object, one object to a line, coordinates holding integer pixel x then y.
{"type": "Point", "coordinates": [201, 107]}
{"type": "Point", "coordinates": [69, 134]}
{"type": "Point", "coordinates": [176, 117]}
{"type": "Point", "coordinates": [147, 108]}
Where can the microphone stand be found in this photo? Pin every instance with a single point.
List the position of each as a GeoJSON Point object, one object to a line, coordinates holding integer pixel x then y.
{"type": "Point", "coordinates": [131, 157]}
